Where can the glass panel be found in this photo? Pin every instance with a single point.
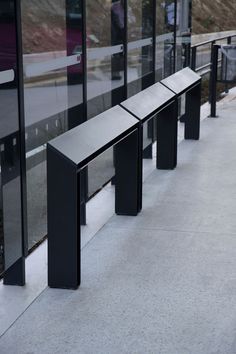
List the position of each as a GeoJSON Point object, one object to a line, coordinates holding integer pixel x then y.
{"type": "Point", "coordinates": [183, 33]}
{"type": "Point", "coordinates": [10, 183]}
{"type": "Point", "coordinates": [52, 46]}
{"type": "Point", "coordinates": [140, 51]}
{"type": "Point", "coordinates": [203, 56]}
{"type": "Point", "coordinates": [105, 73]}
{"type": "Point", "coordinates": [165, 22]}
{"type": "Point", "coordinates": [140, 43]}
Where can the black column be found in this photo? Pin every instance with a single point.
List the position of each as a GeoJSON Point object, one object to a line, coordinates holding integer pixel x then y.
{"type": "Point", "coordinates": [128, 188]}
{"type": "Point", "coordinates": [15, 275]}
{"type": "Point", "coordinates": [193, 110]}
{"type": "Point", "coordinates": [167, 134]}
{"type": "Point", "coordinates": [63, 222]}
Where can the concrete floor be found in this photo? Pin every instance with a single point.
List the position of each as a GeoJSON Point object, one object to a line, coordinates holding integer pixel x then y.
{"type": "Point", "coordinates": [163, 282]}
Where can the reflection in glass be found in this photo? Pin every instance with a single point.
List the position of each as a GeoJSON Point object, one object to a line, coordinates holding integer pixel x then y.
{"type": "Point", "coordinates": [10, 184]}
{"type": "Point", "coordinates": [117, 38]}
{"type": "Point", "coordinates": [140, 52]}
{"type": "Point", "coordinates": [53, 61]}
{"type": "Point", "coordinates": [165, 22]}
{"type": "Point", "coordinates": [183, 33]}
{"type": "Point", "coordinates": [105, 73]}
{"type": "Point", "coordinates": [1, 240]}
{"type": "Point", "coordinates": [105, 55]}
{"type": "Point", "coordinates": [140, 46]}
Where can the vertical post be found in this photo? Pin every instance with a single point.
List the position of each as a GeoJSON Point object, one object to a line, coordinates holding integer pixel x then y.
{"type": "Point", "coordinates": [193, 58]}
{"type": "Point", "coordinates": [167, 133]}
{"type": "Point", "coordinates": [125, 49]}
{"type": "Point", "coordinates": [213, 82]}
{"type": "Point", "coordinates": [229, 39]}
{"type": "Point", "coordinates": [128, 188]}
{"type": "Point", "coordinates": [193, 111]}
{"type": "Point", "coordinates": [83, 182]}
{"type": "Point", "coordinates": [15, 275]}
{"type": "Point", "coordinates": [210, 80]}
{"type": "Point", "coordinates": [84, 175]}
{"type": "Point", "coordinates": [147, 152]}
{"type": "Point", "coordinates": [63, 221]}
{"type": "Point", "coordinates": [175, 35]}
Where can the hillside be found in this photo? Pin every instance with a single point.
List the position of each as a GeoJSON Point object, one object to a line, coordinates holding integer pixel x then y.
{"type": "Point", "coordinates": [213, 15]}
{"type": "Point", "coordinates": [44, 23]}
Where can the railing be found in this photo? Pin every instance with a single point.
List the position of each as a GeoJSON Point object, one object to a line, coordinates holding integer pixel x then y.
{"type": "Point", "coordinates": [206, 68]}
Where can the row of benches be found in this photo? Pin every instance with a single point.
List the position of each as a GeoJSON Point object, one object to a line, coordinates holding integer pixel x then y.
{"type": "Point", "coordinates": [120, 126]}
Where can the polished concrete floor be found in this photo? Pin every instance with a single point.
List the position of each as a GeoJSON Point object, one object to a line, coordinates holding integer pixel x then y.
{"type": "Point", "coordinates": [163, 282]}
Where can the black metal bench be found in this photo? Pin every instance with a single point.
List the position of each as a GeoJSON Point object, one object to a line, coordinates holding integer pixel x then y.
{"type": "Point", "coordinates": [67, 155]}
{"type": "Point", "coordinates": [187, 81]}
{"type": "Point", "coordinates": [158, 102]}
{"type": "Point", "coordinates": [122, 127]}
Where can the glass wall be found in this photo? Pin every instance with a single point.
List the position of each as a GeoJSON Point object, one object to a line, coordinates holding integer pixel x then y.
{"type": "Point", "coordinates": [140, 20]}
{"type": "Point", "coordinates": [165, 39]}
{"type": "Point", "coordinates": [123, 38]}
{"type": "Point", "coordinates": [10, 181]}
{"type": "Point", "coordinates": [183, 33]}
{"type": "Point", "coordinates": [105, 73]}
{"type": "Point", "coordinates": [53, 72]}
{"type": "Point", "coordinates": [140, 44]}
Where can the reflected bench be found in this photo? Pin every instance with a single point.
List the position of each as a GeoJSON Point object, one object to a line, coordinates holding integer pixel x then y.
{"type": "Point", "coordinates": [187, 82]}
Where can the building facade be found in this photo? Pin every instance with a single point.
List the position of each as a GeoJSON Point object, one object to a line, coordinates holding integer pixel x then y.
{"type": "Point", "coordinates": [63, 62]}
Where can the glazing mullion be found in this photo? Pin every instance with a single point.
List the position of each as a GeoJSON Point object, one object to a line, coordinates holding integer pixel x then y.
{"type": "Point", "coordinates": [12, 251]}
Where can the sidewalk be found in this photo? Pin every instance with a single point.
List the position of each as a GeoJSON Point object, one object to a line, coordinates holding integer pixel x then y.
{"type": "Point", "coordinates": [163, 282]}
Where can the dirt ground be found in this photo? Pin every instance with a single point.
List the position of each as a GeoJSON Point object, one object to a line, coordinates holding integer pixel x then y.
{"type": "Point", "coordinates": [213, 16]}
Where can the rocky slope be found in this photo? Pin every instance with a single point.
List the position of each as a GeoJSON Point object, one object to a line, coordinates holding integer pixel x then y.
{"type": "Point", "coordinates": [44, 23]}
{"type": "Point", "coordinates": [213, 15]}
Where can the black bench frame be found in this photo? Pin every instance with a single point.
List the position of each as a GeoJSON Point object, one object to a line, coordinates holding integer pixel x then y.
{"type": "Point", "coordinates": [122, 127]}
{"type": "Point", "coordinates": [187, 82]}
{"type": "Point", "coordinates": [63, 180]}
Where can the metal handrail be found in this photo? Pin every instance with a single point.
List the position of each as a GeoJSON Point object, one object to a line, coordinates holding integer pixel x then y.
{"type": "Point", "coordinates": [211, 40]}
{"type": "Point", "coordinates": [211, 67]}
{"type": "Point", "coordinates": [206, 66]}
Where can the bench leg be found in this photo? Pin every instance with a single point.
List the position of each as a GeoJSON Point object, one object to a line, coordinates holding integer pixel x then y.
{"type": "Point", "coordinates": [193, 107]}
{"type": "Point", "coordinates": [15, 275]}
{"type": "Point", "coordinates": [147, 152]}
{"type": "Point", "coordinates": [167, 136]}
{"type": "Point", "coordinates": [128, 188]}
{"type": "Point", "coordinates": [83, 181]}
{"type": "Point", "coordinates": [63, 222]}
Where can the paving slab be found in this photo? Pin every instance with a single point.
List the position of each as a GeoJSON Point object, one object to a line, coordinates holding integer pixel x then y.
{"type": "Point", "coordinates": [143, 291]}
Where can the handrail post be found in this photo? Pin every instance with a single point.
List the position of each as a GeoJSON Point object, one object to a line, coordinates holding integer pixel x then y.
{"type": "Point", "coordinates": [229, 41]}
{"type": "Point", "coordinates": [210, 80]}
{"type": "Point", "coordinates": [213, 82]}
{"type": "Point", "coordinates": [193, 58]}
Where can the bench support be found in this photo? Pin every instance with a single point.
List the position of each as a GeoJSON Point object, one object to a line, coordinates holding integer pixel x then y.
{"type": "Point", "coordinates": [15, 275]}
{"type": "Point", "coordinates": [64, 207]}
{"type": "Point", "coordinates": [167, 133]}
{"type": "Point", "coordinates": [63, 222]}
{"type": "Point", "coordinates": [193, 107]}
{"type": "Point", "coordinates": [128, 187]}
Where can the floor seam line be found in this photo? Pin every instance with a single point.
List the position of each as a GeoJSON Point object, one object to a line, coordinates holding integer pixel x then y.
{"type": "Point", "coordinates": [22, 313]}
{"type": "Point", "coordinates": [171, 230]}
